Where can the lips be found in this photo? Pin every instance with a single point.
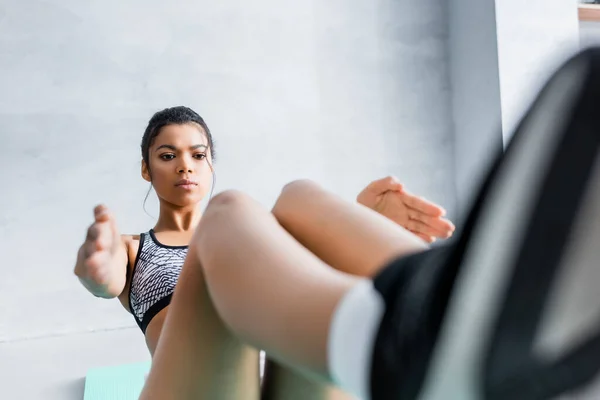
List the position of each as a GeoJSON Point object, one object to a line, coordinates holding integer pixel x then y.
{"type": "Point", "coordinates": [185, 182]}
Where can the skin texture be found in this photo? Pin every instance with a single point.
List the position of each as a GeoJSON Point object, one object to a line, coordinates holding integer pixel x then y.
{"type": "Point", "coordinates": [202, 357]}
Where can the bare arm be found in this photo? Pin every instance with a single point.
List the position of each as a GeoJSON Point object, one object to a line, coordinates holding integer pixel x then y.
{"type": "Point", "coordinates": [102, 258]}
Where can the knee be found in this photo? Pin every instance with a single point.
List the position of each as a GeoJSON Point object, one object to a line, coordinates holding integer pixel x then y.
{"type": "Point", "coordinates": [220, 208]}
{"type": "Point", "coordinates": [300, 186]}
{"type": "Point", "coordinates": [294, 194]}
{"type": "Point", "coordinates": [227, 198]}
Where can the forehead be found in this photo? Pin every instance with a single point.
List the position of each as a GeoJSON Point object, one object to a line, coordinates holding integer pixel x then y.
{"type": "Point", "coordinates": [181, 135]}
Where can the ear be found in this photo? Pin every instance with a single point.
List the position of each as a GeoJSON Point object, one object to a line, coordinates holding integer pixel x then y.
{"type": "Point", "coordinates": [146, 172]}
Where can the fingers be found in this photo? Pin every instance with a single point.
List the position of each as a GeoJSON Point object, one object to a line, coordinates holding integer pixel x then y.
{"type": "Point", "coordinates": [90, 261]}
{"type": "Point", "coordinates": [94, 266]}
{"type": "Point", "coordinates": [443, 227]}
{"type": "Point", "coordinates": [383, 185]}
{"type": "Point", "coordinates": [89, 247]}
{"type": "Point", "coordinates": [100, 234]}
{"type": "Point", "coordinates": [421, 228]}
{"type": "Point", "coordinates": [429, 215]}
{"type": "Point", "coordinates": [425, 206]}
{"type": "Point", "coordinates": [95, 252]}
{"type": "Point", "coordinates": [99, 237]}
{"type": "Point", "coordinates": [101, 213]}
{"type": "Point", "coordinates": [96, 260]}
{"type": "Point", "coordinates": [92, 233]}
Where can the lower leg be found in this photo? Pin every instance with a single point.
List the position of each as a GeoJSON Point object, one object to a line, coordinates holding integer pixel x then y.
{"type": "Point", "coordinates": [284, 383]}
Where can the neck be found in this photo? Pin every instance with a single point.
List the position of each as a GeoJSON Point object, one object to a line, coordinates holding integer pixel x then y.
{"type": "Point", "coordinates": [179, 219]}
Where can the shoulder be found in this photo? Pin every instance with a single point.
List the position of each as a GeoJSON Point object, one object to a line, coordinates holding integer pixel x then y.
{"type": "Point", "coordinates": [132, 244]}
{"type": "Point", "coordinates": [129, 239]}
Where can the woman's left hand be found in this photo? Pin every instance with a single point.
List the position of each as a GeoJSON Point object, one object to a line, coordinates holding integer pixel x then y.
{"type": "Point", "coordinates": [425, 219]}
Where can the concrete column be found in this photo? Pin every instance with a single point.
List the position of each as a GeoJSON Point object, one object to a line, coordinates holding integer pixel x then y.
{"type": "Point", "coordinates": [500, 53]}
{"type": "Point", "coordinates": [476, 100]}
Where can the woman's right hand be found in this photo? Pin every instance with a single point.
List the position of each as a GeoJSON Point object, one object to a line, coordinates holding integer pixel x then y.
{"type": "Point", "coordinates": [100, 259]}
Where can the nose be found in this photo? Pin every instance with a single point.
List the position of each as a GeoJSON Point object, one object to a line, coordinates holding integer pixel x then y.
{"type": "Point", "coordinates": [185, 166]}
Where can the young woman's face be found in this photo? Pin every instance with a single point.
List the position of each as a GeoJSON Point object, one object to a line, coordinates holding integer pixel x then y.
{"type": "Point", "coordinates": [180, 164]}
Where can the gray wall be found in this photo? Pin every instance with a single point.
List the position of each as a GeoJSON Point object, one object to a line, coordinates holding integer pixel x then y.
{"type": "Point", "coordinates": [474, 72]}
{"type": "Point", "coordinates": [589, 33]}
{"type": "Point", "coordinates": [341, 92]}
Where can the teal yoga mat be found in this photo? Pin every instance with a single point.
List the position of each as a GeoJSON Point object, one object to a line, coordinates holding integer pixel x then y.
{"type": "Point", "coordinates": [123, 382]}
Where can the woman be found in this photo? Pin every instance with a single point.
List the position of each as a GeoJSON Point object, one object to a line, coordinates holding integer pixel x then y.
{"type": "Point", "coordinates": [142, 271]}
{"type": "Point", "coordinates": [343, 294]}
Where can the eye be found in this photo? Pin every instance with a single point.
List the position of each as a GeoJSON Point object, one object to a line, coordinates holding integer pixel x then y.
{"type": "Point", "coordinates": [167, 156]}
{"type": "Point", "coordinates": [200, 156]}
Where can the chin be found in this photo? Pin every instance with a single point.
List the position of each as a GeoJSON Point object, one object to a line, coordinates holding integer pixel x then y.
{"type": "Point", "coordinates": [188, 200]}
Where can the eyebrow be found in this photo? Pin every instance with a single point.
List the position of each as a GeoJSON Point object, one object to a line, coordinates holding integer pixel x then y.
{"type": "Point", "coordinates": [171, 147]}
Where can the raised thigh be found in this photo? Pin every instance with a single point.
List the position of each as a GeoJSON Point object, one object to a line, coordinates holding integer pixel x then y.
{"type": "Point", "coordinates": [268, 288]}
{"type": "Point", "coordinates": [347, 236]}
{"type": "Point", "coordinates": [197, 357]}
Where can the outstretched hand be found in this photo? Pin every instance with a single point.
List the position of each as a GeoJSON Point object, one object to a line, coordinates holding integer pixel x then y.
{"type": "Point", "coordinates": [425, 219]}
{"type": "Point", "coordinates": [100, 246]}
